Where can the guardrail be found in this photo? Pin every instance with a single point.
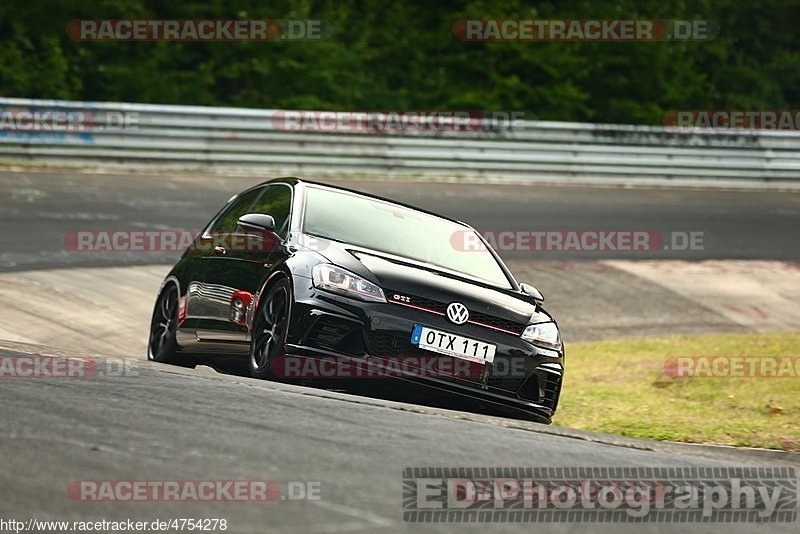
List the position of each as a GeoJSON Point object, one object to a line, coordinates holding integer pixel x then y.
{"type": "Point", "coordinates": [233, 139]}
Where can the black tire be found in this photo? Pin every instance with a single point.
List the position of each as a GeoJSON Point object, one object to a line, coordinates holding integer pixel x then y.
{"type": "Point", "coordinates": [269, 329]}
{"type": "Point", "coordinates": [162, 346]}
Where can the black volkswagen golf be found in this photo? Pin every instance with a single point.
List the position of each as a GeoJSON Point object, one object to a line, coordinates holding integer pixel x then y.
{"type": "Point", "coordinates": [292, 271]}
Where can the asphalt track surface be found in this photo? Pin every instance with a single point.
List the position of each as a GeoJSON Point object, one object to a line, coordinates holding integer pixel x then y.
{"type": "Point", "coordinates": [165, 423]}
{"type": "Point", "coordinates": [40, 208]}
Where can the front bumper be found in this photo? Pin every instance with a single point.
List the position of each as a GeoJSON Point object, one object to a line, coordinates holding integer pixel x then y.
{"type": "Point", "coordinates": [375, 336]}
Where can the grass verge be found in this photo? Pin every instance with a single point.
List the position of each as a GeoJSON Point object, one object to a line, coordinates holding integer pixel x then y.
{"type": "Point", "coordinates": [630, 388]}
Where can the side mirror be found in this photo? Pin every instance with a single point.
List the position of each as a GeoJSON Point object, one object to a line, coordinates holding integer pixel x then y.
{"type": "Point", "coordinates": [532, 291]}
{"type": "Point", "coordinates": [258, 222]}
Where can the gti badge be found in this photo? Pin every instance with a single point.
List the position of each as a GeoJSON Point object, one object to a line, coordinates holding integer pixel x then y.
{"type": "Point", "coordinates": [457, 313]}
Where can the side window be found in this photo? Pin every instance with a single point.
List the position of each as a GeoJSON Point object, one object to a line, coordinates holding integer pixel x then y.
{"type": "Point", "coordinates": [227, 220]}
{"type": "Point", "coordinates": [276, 200]}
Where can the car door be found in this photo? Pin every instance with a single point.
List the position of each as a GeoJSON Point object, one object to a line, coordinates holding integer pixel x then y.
{"type": "Point", "coordinates": [241, 263]}
{"type": "Point", "coordinates": [208, 294]}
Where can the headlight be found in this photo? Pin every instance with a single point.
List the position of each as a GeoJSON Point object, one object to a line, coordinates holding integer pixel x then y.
{"type": "Point", "coordinates": [544, 335]}
{"type": "Point", "coordinates": [338, 280]}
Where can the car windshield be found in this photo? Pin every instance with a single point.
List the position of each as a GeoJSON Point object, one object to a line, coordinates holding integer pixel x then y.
{"type": "Point", "coordinates": [387, 227]}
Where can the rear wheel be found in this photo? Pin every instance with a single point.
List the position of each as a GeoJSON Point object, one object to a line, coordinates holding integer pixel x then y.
{"type": "Point", "coordinates": [162, 346]}
{"type": "Point", "coordinates": [269, 330]}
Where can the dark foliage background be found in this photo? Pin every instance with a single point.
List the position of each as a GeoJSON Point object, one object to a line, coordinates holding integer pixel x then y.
{"type": "Point", "coordinates": [402, 55]}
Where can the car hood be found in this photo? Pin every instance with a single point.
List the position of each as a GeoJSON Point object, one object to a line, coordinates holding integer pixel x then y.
{"type": "Point", "coordinates": [408, 281]}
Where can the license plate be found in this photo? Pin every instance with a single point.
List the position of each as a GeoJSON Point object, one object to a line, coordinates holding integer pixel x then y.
{"type": "Point", "coordinates": [452, 344]}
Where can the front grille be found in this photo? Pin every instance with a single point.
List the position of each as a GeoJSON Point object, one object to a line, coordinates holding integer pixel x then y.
{"type": "Point", "coordinates": [497, 322]}
{"type": "Point", "coordinates": [483, 318]}
{"type": "Point", "coordinates": [386, 346]}
{"type": "Point", "coordinates": [434, 305]}
{"type": "Point", "coordinates": [506, 383]}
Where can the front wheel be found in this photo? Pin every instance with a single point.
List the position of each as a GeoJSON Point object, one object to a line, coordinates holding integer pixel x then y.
{"type": "Point", "coordinates": [163, 346]}
{"type": "Point", "coordinates": [269, 330]}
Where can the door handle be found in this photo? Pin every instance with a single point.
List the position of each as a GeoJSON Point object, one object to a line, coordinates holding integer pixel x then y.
{"type": "Point", "coordinates": [219, 250]}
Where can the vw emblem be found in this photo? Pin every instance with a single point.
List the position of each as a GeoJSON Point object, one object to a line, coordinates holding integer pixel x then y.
{"type": "Point", "coordinates": [457, 313]}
